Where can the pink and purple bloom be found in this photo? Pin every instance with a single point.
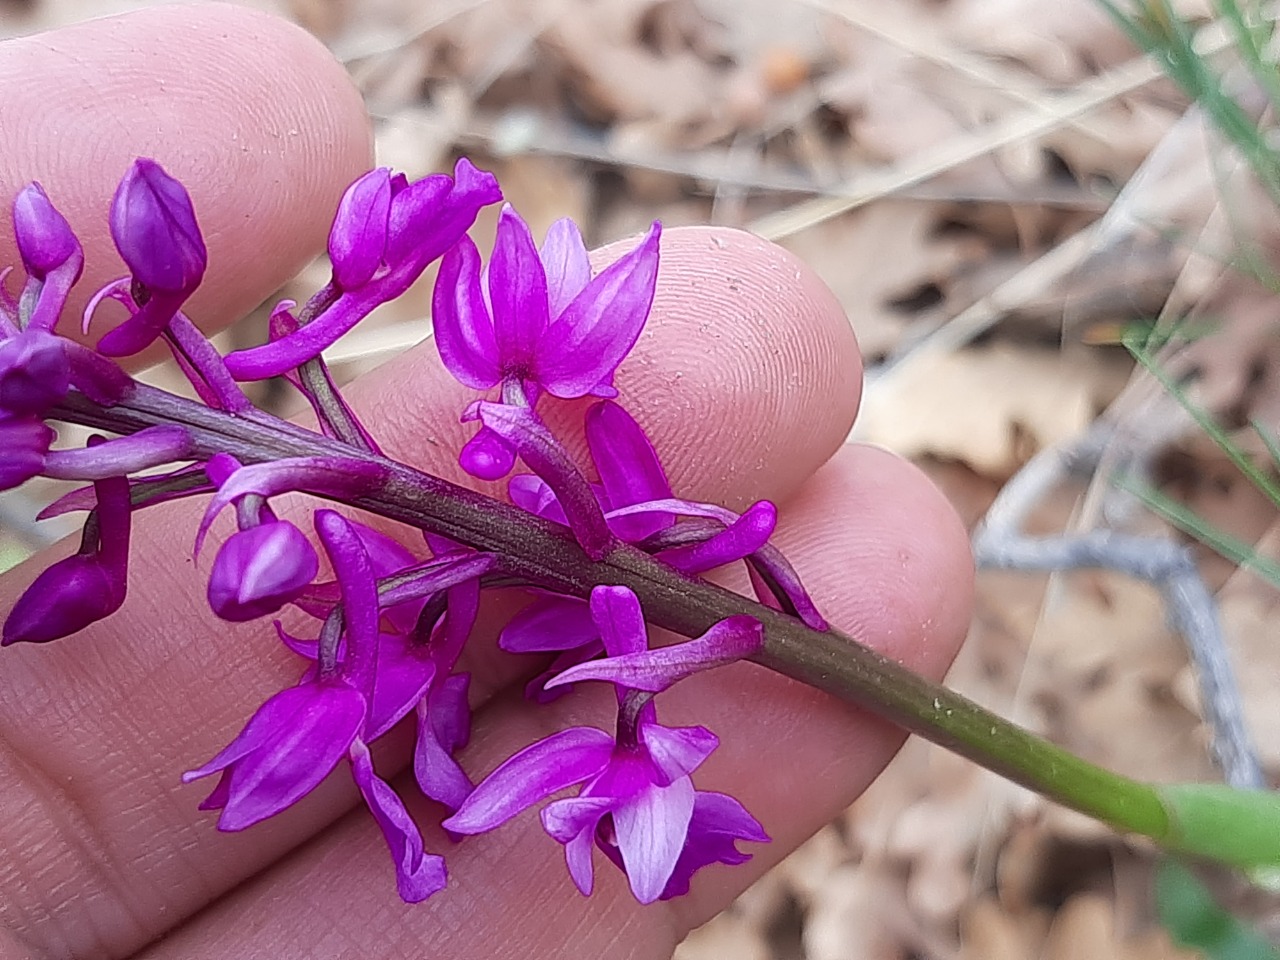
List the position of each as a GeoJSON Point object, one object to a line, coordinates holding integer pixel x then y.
{"type": "Point", "coordinates": [536, 321]}
{"type": "Point", "coordinates": [637, 802]}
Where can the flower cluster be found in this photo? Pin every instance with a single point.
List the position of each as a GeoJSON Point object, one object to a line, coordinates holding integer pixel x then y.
{"type": "Point", "coordinates": [389, 624]}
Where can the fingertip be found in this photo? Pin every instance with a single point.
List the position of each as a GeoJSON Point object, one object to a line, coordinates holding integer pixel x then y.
{"type": "Point", "coordinates": [885, 555]}
{"type": "Point", "coordinates": [749, 377]}
{"type": "Point", "coordinates": [250, 112]}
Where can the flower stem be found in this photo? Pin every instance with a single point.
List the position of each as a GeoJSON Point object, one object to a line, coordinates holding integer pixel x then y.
{"type": "Point", "coordinates": [1205, 820]}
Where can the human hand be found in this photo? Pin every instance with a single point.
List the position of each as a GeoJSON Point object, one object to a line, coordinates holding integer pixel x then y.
{"type": "Point", "coordinates": [747, 381]}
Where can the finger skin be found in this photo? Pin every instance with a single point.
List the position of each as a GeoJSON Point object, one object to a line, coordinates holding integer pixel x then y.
{"type": "Point", "coordinates": [108, 850]}
{"type": "Point", "coordinates": [883, 553]}
{"type": "Point", "coordinates": [251, 113]}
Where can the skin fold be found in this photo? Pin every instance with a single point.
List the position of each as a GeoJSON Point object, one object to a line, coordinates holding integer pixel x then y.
{"type": "Point", "coordinates": [747, 379]}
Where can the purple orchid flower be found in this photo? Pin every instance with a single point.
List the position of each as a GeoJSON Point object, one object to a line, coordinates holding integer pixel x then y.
{"type": "Point", "coordinates": [422, 220]}
{"type": "Point", "coordinates": [637, 802]}
{"type": "Point", "coordinates": [298, 737]}
{"type": "Point", "coordinates": [636, 495]}
{"type": "Point", "coordinates": [538, 322]}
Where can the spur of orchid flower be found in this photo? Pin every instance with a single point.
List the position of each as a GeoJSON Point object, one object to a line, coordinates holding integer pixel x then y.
{"type": "Point", "coordinates": [381, 584]}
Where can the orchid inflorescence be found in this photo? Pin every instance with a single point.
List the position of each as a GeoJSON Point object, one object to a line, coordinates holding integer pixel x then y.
{"type": "Point", "coordinates": [534, 326]}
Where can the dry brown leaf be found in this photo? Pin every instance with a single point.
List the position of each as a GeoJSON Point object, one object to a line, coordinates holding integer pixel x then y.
{"type": "Point", "coordinates": [989, 407]}
{"type": "Point", "coordinates": [723, 936]}
{"type": "Point", "coordinates": [853, 916]}
{"type": "Point", "coordinates": [881, 255]}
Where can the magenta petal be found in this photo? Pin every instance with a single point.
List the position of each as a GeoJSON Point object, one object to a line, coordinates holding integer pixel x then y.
{"type": "Point", "coordinates": [487, 456]}
{"type": "Point", "coordinates": [259, 570]}
{"type": "Point", "coordinates": [418, 874]}
{"type": "Point", "coordinates": [25, 441]}
{"type": "Point", "coordinates": [651, 829]}
{"type": "Point", "coordinates": [322, 476]}
{"type": "Point", "coordinates": [728, 641]}
{"type": "Point", "coordinates": [358, 238]}
{"type": "Point", "coordinates": [292, 743]}
{"type": "Point", "coordinates": [532, 493]}
{"type": "Point", "coordinates": [67, 597]}
{"type": "Point", "coordinates": [550, 624]}
{"type": "Point", "coordinates": [573, 822]}
{"type": "Point", "coordinates": [568, 267]}
{"type": "Point", "coordinates": [677, 751]}
{"type": "Point", "coordinates": [35, 373]}
{"type": "Point", "coordinates": [444, 726]}
{"type": "Point", "coordinates": [587, 342]}
{"type": "Point", "coordinates": [718, 822]}
{"type": "Point", "coordinates": [744, 537]}
{"type": "Point", "coordinates": [616, 612]}
{"type": "Point", "coordinates": [45, 239]}
{"type": "Point", "coordinates": [154, 227]}
{"type": "Point", "coordinates": [517, 291]}
{"type": "Point", "coordinates": [149, 447]}
{"type": "Point", "coordinates": [360, 612]}
{"type": "Point", "coordinates": [629, 469]}
{"type": "Point", "coordinates": [403, 676]}
{"type": "Point", "coordinates": [531, 775]}
{"type": "Point", "coordinates": [460, 317]}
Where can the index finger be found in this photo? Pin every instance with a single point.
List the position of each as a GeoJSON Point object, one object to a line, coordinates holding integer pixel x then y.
{"type": "Point", "coordinates": [256, 118]}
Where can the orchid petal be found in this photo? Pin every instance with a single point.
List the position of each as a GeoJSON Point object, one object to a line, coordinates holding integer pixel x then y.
{"type": "Point", "coordinates": [743, 537]}
{"type": "Point", "coordinates": [360, 613]}
{"type": "Point", "coordinates": [532, 493]}
{"type": "Point", "coordinates": [358, 238]}
{"type": "Point", "coordinates": [463, 327]}
{"type": "Point", "coordinates": [517, 291]}
{"type": "Point", "coordinates": [444, 726]}
{"type": "Point", "coordinates": [616, 611]}
{"type": "Point", "coordinates": [728, 641]}
{"type": "Point", "coordinates": [718, 822]}
{"type": "Point", "coordinates": [652, 828]}
{"type": "Point", "coordinates": [628, 467]}
{"type": "Point", "coordinates": [568, 267]}
{"type": "Point", "coordinates": [418, 874]}
{"type": "Point", "coordinates": [291, 744]}
{"type": "Point", "coordinates": [677, 751]}
{"type": "Point", "coordinates": [600, 326]}
{"type": "Point", "coordinates": [550, 624]}
{"type": "Point", "coordinates": [531, 775]}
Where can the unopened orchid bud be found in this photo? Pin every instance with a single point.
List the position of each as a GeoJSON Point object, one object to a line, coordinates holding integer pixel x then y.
{"type": "Point", "coordinates": [50, 254]}
{"type": "Point", "coordinates": [66, 598]}
{"type": "Point", "coordinates": [259, 570]}
{"type": "Point", "coordinates": [154, 227]}
{"type": "Point", "coordinates": [358, 239]}
{"type": "Point", "coordinates": [45, 240]}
